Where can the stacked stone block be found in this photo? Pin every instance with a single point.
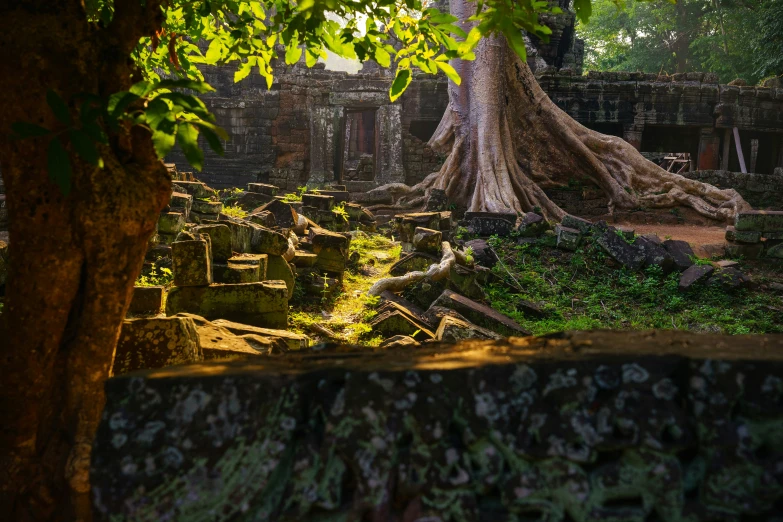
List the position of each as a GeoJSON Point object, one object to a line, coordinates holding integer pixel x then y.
{"type": "Point", "coordinates": [756, 233]}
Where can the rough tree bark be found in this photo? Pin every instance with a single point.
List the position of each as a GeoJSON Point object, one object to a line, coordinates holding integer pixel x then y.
{"type": "Point", "coordinates": [73, 259]}
{"type": "Point", "coordinates": [506, 142]}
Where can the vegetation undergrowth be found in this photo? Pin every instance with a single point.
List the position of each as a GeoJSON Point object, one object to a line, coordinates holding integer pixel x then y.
{"type": "Point", "coordinates": [580, 290]}
{"type": "Point", "coordinates": [347, 313]}
{"type": "Point", "coordinates": [234, 211]}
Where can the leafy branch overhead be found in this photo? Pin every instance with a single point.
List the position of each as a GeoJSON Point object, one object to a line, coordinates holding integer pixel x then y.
{"type": "Point", "coordinates": [402, 34]}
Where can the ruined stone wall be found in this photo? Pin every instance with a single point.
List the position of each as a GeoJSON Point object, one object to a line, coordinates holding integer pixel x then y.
{"type": "Point", "coordinates": [597, 426]}
{"type": "Point", "coordinates": [762, 191]}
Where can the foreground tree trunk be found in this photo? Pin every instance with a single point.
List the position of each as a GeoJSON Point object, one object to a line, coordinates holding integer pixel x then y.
{"type": "Point", "coordinates": [506, 142]}
{"type": "Point", "coordinates": [73, 259]}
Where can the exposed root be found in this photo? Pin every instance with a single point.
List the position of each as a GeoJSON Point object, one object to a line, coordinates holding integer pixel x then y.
{"type": "Point", "coordinates": [436, 272]}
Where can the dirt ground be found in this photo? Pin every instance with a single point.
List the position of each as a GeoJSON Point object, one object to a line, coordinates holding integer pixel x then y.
{"type": "Point", "coordinates": [693, 234]}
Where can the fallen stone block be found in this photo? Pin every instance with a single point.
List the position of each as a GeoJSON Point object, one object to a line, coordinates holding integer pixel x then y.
{"type": "Point", "coordinates": [304, 259]}
{"type": "Point", "coordinates": [627, 232]}
{"type": "Point", "coordinates": [533, 225]}
{"type": "Point", "coordinates": [654, 253]}
{"type": "Point", "coordinates": [423, 293]}
{"type": "Point", "coordinates": [292, 341]}
{"type": "Point", "coordinates": [171, 222]}
{"type": "Point", "coordinates": [263, 188]}
{"type": "Point", "coordinates": [154, 343]}
{"type": "Point", "coordinates": [726, 263]}
{"type": "Point", "coordinates": [220, 238]}
{"type": "Point", "coordinates": [154, 254]}
{"type": "Point", "coordinates": [396, 322]}
{"type": "Point", "coordinates": [408, 223]}
{"type": "Point", "coordinates": [428, 241]}
{"type": "Point", "coordinates": [582, 225]}
{"type": "Point", "coordinates": [249, 201]}
{"type": "Point", "coordinates": [207, 207]}
{"type": "Point", "coordinates": [731, 233]}
{"type": "Point", "coordinates": [693, 275]}
{"type": "Point", "coordinates": [491, 223]}
{"type": "Point", "coordinates": [198, 217]}
{"type": "Point", "coordinates": [146, 300]}
{"type": "Point", "coordinates": [277, 269]}
{"type": "Point", "coordinates": [485, 316]}
{"type": "Point", "coordinates": [681, 253]}
{"type": "Point", "coordinates": [435, 314]}
{"type": "Point", "coordinates": [773, 234]}
{"type": "Point", "coordinates": [464, 280]}
{"type": "Point", "coordinates": [437, 200]}
{"type": "Point", "coordinates": [235, 274]}
{"type": "Point", "coordinates": [331, 249]}
{"type": "Point", "coordinates": [285, 215]}
{"type": "Point", "coordinates": [263, 218]}
{"type": "Point", "coordinates": [196, 189]}
{"type": "Point", "coordinates": [567, 238]}
{"type": "Point", "coordinates": [259, 260]}
{"type": "Point", "coordinates": [627, 255]}
{"type": "Point", "coordinates": [259, 304]}
{"type": "Point", "coordinates": [453, 330]}
{"type": "Point", "coordinates": [192, 263]}
{"type": "Point", "coordinates": [483, 253]}
{"type": "Point", "coordinates": [338, 196]}
{"type": "Point", "coordinates": [729, 278]}
{"type": "Point", "coordinates": [267, 241]}
{"type": "Point", "coordinates": [318, 202]}
{"type": "Point", "coordinates": [181, 202]}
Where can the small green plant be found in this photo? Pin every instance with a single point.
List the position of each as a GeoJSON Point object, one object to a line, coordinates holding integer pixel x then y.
{"type": "Point", "coordinates": [461, 232]}
{"type": "Point", "coordinates": [325, 291]}
{"type": "Point", "coordinates": [292, 198]}
{"type": "Point", "coordinates": [339, 210]}
{"type": "Point", "coordinates": [156, 276]}
{"type": "Point", "coordinates": [234, 211]}
{"type": "Point", "coordinates": [469, 255]}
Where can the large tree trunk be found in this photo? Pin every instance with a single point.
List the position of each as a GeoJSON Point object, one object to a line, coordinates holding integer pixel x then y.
{"type": "Point", "coordinates": [73, 259]}
{"type": "Point", "coordinates": [506, 142]}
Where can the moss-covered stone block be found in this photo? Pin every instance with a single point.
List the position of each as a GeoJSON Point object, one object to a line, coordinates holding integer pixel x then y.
{"type": "Point", "coordinates": [192, 263]}
{"type": "Point", "coordinates": [259, 304]}
{"type": "Point", "coordinates": [146, 300]}
{"type": "Point", "coordinates": [263, 188]}
{"type": "Point", "coordinates": [171, 222]}
{"type": "Point", "coordinates": [154, 343]}
{"type": "Point", "coordinates": [278, 269]}
{"type": "Point", "coordinates": [331, 248]}
{"type": "Point", "coordinates": [181, 202]}
{"type": "Point", "coordinates": [267, 241]}
{"type": "Point", "coordinates": [259, 260]}
{"type": "Point", "coordinates": [207, 207]}
{"type": "Point", "coordinates": [220, 236]}
{"type": "Point", "coordinates": [428, 240]}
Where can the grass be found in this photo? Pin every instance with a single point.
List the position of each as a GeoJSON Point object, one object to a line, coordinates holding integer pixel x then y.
{"type": "Point", "coordinates": [234, 211]}
{"type": "Point", "coordinates": [581, 291]}
{"type": "Point", "coordinates": [349, 312]}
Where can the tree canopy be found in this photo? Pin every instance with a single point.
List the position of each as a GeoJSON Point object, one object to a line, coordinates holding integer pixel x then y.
{"type": "Point", "coordinates": [733, 38]}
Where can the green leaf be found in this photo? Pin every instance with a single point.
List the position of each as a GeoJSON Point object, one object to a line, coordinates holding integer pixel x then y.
{"type": "Point", "coordinates": [187, 137]}
{"type": "Point", "coordinates": [242, 72]}
{"type": "Point", "coordinates": [59, 165]}
{"type": "Point", "coordinates": [514, 38]}
{"type": "Point", "coordinates": [212, 138]}
{"type": "Point", "coordinates": [382, 57]}
{"type": "Point", "coordinates": [141, 88]}
{"type": "Point", "coordinates": [214, 51]}
{"type": "Point", "coordinates": [584, 9]}
{"type": "Point", "coordinates": [85, 148]}
{"type": "Point", "coordinates": [400, 83]}
{"type": "Point", "coordinates": [293, 52]}
{"type": "Point", "coordinates": [470, 42]}
{"type": "Point", "coordinates": [58, 106]}
{"type": "Point", "coordinates": [23, 129]}
{"type": "Point", "coordinates": [120, 101]}
{"type": "Point", "coordinates": [449, 71]}
{"type": "Point", "coordinates": [163, 142]}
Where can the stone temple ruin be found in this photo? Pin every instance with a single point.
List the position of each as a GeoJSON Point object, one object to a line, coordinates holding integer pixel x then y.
{"type": "Point", "coordinates": [318, 126]}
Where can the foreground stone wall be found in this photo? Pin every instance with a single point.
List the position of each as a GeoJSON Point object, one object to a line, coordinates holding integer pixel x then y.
{"type": "Point", "coordinates": [644, 426]}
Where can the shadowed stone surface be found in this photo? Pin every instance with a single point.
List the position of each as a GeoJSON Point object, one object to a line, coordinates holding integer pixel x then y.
{"type": "Point", "coordinates": [694, 275]}
{"type": "Point", "coordinates": [681, 253]}
{"type": "Point", "coordinates": [599, 426]}
{"type": "Point", "coordinates": [146, 300]}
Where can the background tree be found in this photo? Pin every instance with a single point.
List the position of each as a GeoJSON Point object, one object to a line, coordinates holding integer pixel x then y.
{"type": "Point", "coordinates": [733, 38]}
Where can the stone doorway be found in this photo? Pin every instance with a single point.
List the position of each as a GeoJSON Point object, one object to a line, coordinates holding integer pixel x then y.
{"type": "Point", "coordinates": [358, 146]}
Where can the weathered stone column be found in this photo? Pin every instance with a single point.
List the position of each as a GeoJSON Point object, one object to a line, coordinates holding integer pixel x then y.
{"type": "Point", "coordinates": [709, 150]}
{"type": "Point", "coordinates": [322, 129]}
{"type": "Point", "coordinates": [724, 164]}
{"type": "Point", "coordinates": [633, 135]}
{"type": "Point", "coordinates": [389, 157]}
